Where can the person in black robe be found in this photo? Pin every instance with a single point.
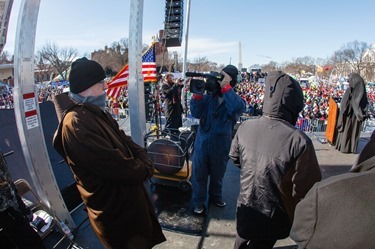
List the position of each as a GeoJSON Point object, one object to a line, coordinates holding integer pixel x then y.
{"type": "Point", "coordinates": [352, 114]}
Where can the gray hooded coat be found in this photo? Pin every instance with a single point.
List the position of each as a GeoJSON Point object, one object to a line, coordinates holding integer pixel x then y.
{"type": "Point", "coordinates": [339, 212]}
{"type": "Point", "coordinates": [278, 163]}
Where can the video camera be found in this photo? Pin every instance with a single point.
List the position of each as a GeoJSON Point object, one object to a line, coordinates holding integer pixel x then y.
{"type": "Point", "coordinates": [209, 84]}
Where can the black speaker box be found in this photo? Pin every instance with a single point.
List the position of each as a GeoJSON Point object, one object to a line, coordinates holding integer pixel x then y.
{"type": "Point", "coordinates": [173, 23]}
{"type": "Point", "coordinates": [173, 18]}
{"type": "Point", "coordinates": [169, 32]}
{"type": "Point", "coordinates": [174, 4]}
{"type": "Point", "coordinates": [173, 40]}
{"type": "Point", "coordinates": [173, 11]}
{"type": "Point", "coordinates": [147, 88]}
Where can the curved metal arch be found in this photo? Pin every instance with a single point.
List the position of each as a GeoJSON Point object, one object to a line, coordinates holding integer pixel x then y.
{"type": "Point", "coordinates": [27, 114]}
{"type": "Point", "coordinates": [27, 111]}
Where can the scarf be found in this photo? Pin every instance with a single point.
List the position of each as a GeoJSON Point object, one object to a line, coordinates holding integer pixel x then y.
{"type": "Point", "coordinates": [94, 100]}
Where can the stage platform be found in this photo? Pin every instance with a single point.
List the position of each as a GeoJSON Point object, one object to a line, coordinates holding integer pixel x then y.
{"type": "Point", "coordinates": [219, 225]}
{"type": "Point", "coordinates": [219, 229]}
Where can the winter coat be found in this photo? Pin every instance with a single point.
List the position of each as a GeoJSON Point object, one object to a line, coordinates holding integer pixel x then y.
{"type": "Point", "coordinates": [278, 163]}
{"type": "Point", "coordinates": [109, 170]}
{"type": "Point", "coordinates": [339, 212]}
{"type": "Point", "coordinates": [172, 102]}
{"type": "Point", "coordinates": [217, 119]}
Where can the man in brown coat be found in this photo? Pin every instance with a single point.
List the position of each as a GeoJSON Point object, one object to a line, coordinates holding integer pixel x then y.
{"type": "Point", "coordinates": [108, 166]}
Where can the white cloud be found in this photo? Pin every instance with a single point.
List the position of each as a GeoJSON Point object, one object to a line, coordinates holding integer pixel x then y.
{"type": "Point", "coordinates": [214, 50]}
{"type": "Point", "coordinates": [209, 47]}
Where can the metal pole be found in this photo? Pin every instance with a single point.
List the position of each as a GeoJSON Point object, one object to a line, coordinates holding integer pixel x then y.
{"type": "Point", "coordinates": [27, 114]}
{"type": "Point", "coordinates": [136, 82]}
{"type": "Point", "coordinates": [186, 36]}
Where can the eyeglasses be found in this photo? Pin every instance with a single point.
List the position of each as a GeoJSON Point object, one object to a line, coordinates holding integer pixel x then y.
{"type": "Point", "coordinates": [103, 84]}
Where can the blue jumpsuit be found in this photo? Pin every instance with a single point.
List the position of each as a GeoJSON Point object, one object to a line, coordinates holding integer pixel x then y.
{"type": "Point", "coordinates": [213, 140]}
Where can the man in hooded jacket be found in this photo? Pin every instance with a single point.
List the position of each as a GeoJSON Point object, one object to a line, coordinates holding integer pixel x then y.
{"type": "Point", "coordinates": [278, 165]}
{"type": "Point", "coordinates": [108, 166]}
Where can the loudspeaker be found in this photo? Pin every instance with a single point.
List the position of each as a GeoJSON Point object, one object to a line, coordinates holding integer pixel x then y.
{"type": "Point", "coordinates": [173, 23]}
{"type": "Point", "coordinates": [149, 105]}
{"type": "Point", "coordinates": [174, 4]}
{"type": "Point", "coordinates": [173, 18]}
{"type": "Point", "coordinates": [147, 88]}
{"type": "Point", "coordinates": [174, 11]}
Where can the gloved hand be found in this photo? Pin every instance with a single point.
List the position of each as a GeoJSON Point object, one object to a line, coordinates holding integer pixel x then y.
{"type": "Point", "coordinates": [226, 80]}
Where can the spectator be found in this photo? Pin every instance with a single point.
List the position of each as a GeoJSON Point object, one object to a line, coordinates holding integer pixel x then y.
{"type": "Point", "coordinates": [339, 212]}
{"type": "Point", "coordinates": [115, 109]}
{"type": "Point", "coordinates": [352, 114]}
{"type": "Point", "coordinates": [172, 104]}
{"type": "Point", "coordinates": [278, 166]}
{"type": "Point", "coordinates": [218, 113]}
{"type": "Point", "coordinates": [108, 166]}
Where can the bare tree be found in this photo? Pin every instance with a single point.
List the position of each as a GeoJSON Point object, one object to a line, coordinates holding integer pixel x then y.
{"type": "Point", "coordinates": [43, 71]}
{"type": "Point", "coordinates": [305, 63]}
{"type": "Point", "coordinates": [199, 64]}
{"type": "Point", "coordinates": [5, 57]}
{"type": "Point", "coordinates": [121, 49]}
{"type": "Point", "coordinates": [353, 53]}
{"type": "Point", "coordinates": [337, 60]}
{"type": "Point", "coordinates": [59, 58]}
{"type": "Point", "coordinates": [271, 66]}
{"type": "Point", "coordinates": [169, 63]}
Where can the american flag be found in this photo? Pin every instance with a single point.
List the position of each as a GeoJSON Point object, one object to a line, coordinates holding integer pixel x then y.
{"type": "Point", "coordinates": [121, 78]}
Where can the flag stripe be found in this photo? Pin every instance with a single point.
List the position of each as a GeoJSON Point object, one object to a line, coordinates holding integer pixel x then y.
{"type": "Point", "coordinates": [148, 71]}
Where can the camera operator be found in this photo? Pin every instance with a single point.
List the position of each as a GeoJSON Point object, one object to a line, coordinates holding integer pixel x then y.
{"type": "Point", "coordinates": [218, 112]}
{"type": "Point", "coordinates": [172, 104]}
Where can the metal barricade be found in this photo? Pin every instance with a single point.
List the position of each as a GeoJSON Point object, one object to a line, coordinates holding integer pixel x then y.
{"type": "Point", "coordinates": [312, 125]}
{"type": "Point", "coordinates": [304, 124]}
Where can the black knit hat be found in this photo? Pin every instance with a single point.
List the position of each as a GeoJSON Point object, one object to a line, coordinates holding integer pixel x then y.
{"type": "Point", "coordinates": [85, 73]}
{"type": "Point", "coordinates": [233, 72]}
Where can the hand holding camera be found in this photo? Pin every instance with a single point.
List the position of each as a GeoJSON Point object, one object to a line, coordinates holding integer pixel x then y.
{"type": "Point", "coordinates": [226, 80]}
{"type": "Point", "coordinates": [179, 81]}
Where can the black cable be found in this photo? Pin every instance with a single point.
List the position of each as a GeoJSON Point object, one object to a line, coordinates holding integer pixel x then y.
{"type": "Point", "coordinates": [75, 231]}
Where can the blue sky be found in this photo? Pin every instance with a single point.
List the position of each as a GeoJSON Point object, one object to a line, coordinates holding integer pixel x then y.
{"type": "Point", "coordinates": [267, 29]}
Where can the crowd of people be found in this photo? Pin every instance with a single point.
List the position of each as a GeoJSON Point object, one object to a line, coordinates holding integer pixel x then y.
{"type": "Point", "coordinates": [316, 98]}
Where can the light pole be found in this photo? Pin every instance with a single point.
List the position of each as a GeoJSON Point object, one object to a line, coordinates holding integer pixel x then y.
{"type": "Point", "coordinates": [183, 99]}
{"type": "Point", "coordinates": [175, 56]}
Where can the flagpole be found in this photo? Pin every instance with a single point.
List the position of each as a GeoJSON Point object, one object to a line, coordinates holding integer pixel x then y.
{"type": "Point", "coordinates": [186, 29]}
